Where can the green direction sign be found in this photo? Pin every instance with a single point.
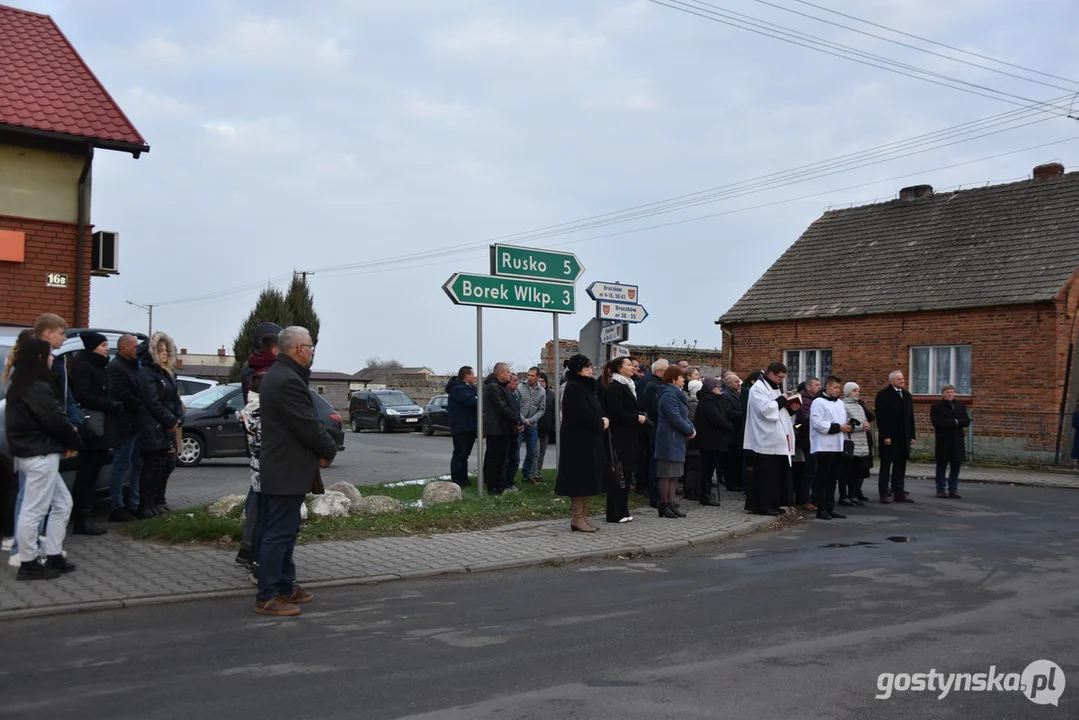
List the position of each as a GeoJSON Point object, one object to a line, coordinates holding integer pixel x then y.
{"type": "Point", "coordinates": [524, 262]}
{"type": "Point", "coordinates": [511, 293]}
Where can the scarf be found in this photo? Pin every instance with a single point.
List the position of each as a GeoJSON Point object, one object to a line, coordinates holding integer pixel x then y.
{"type": "Point", "coordinates": [619, 378]}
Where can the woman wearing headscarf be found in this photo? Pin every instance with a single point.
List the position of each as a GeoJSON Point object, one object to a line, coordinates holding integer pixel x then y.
{"type": "Point", "coordinates": [713, 436]}
{"type": "Point", "coordinates": [626, 418]}
{"type": "Point", "coordinates": [673, 431]}
{"type": "Point", "coordinates": [581, 444]}
{"type": "Point", "coordinates": [856, 469]}
{"type": "Point", "coordinates": [160, 416]}
{"type": "Point", "coordinates": [39, 433]}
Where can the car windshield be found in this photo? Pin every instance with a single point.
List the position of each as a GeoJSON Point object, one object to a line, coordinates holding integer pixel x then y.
{"type": "Point", "coordinates": [206, 398]}
{"type": "Point", "coordinates": [394, 399]}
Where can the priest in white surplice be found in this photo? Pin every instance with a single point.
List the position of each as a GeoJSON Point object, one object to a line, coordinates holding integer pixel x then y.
{"type": "Point", "coordinates": [769, 443]}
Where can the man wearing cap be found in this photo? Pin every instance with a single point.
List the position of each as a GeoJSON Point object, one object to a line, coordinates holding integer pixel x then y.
{"type": "Point", "coordinates": [90, 385]}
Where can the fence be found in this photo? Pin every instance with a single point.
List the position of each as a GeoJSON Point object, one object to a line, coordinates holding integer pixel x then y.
{"type": "Point", "coordinates": [1008, 435]}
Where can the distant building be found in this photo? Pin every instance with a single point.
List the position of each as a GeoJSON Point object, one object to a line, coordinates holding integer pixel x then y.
{"type": "Point", "coordinates": [710, 361]}
{"type": "Point", "coordinates": [54, 113]}
{"type": "Point", "coordinates": [977, 288]}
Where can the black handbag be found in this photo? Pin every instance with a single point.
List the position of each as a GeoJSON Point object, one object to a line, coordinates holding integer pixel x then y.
{"type": "Point", "coordinates": [93, 423]}
{"type": "Point", "coordinates": [613, 471]}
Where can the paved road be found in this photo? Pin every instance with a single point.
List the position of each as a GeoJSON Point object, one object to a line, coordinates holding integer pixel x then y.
{"type": "Point", "coordinates": [784, 625]}
{"type": "Point", "coordinates": [368, 459]}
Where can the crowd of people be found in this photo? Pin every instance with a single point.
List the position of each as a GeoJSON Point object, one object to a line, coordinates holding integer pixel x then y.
{"type": "Point", "coordinates": [673, 436]}
{"type": "Point", "coordinates": [127, 406]}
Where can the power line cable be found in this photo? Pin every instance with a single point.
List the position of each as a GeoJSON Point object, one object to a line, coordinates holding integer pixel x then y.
{"type": "Point", "coordinates": [938, 44]}
{"type": "Point", "coordinates": [920, 49]}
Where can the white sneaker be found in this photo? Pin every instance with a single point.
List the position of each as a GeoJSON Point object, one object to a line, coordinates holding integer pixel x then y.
{"type": "Point", "coordinates": [6, 543]}
{"type": "Point", "coordinates": [13, 561]}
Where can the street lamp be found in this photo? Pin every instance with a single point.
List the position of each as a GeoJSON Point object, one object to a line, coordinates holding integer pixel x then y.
{"type": "Point", "coordinates": [150, 310]}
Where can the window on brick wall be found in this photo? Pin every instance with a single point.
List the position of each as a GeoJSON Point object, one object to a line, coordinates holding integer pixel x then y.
{"type": "Point", "coordinates": [933, 366]}
{"type": "Point", "coordinates": [805, 364]}
{"type": "Point", "coordinates": [321, 390]}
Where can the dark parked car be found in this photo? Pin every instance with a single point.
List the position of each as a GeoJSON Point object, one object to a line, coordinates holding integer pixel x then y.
{"type": "Point", "coordinates": [70, 350]}
{"type": "Point", "coordinates": [383, 410]}
{"type": "Point", "coordinates": [212, 427]}
{"type": "Point", "coordinates": [436, 416]}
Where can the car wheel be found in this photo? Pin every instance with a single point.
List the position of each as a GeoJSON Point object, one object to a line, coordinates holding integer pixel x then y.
{"type": "Point", "coordinates": [190, 453]}
{"type": "Point", "coordinates": [355, 425]}
{"type": "Point", "coordinates": [384, 426]}
{"type": "Point", "coordinates": [427, 429]}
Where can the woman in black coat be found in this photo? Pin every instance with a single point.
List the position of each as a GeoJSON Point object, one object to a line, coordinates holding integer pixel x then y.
{"type": "Point", "coordinates": [91, 388]}
{"type": "Point", "coordinates": [39, 433]}
{"type": "Point", "coordinates": [581, 446]}
{"type": "Point", "coordinates": [714, 431]}
{"type": "Point", "coordinates": [950, 421]}
{"type": "Point", "coordinates": [626, 419]}
{"type": "Point", "coordinates": [160, 416]}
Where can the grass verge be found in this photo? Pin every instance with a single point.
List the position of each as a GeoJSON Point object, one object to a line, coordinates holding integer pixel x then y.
{"type": "Point", "coordinates": [533, 502]}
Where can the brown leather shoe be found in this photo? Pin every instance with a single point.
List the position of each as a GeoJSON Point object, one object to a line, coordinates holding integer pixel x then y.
{"type": "Point", "coordinates": [810, 507]}
{"type": "Point", "coordinates": [955, 496]}
{"type": "Point", "coordinates": [942, 495]}
{"type": "Point", "coordinates": [902, 497]}
{"type": "Point", "coordinates": [278, 607]}
{"type": "Point", "coordinates": [298, 596]}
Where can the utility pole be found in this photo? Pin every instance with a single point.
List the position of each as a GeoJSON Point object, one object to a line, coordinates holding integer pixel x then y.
{"type": "Point", "coordinates": [150, 311]}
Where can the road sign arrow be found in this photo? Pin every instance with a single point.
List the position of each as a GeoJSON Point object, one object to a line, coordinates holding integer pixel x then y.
{"type": "Point", "coordinates": [618, 292]}
{"type": "Point", "coordinates": [621, 312]}
{"type": "Point", "coordinates": [526, 262]}
{"type": "Point", "coordinates": [510, 293]}
{"type": "Point", "coordinates": [612, 333]}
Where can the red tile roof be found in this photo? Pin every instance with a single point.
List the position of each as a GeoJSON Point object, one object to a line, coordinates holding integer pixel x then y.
{"type": "Point", "coordinates": [45, 86]}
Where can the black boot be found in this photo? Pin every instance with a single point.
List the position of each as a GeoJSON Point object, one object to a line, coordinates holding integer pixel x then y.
{"type": "Point", "coordinates": [676, 510]}
{"type": "Point", "coordinates": [120, 514]}
{"type": "Point", "coordinates": [145, 511]}
{"type": "Point", "coordinates": [35, 570]}
{"type": "Point", "coordinates": [59, 563]}
{"type": "Point", "coordinates": [823, 514]}
{"type": "Point", "coordinates": [665, 511]}
{"type": "Point", "coordinates": [85, 526]}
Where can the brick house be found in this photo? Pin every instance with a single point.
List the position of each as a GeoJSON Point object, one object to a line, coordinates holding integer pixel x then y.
{"type": "Point", "coordinates": [53, 115]}
{"type": "Point", "coordinates": [978, 288]}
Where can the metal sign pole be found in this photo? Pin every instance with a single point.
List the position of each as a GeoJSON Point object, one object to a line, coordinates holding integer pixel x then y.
{"type": "Point", "coordinates": [557, 374]}
{"type": "Point", "coordinates": [479, 400]}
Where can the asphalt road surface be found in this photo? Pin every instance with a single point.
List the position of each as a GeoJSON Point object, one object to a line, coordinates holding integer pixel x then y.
{"type": "Point", "coordinates": [794, 623]}
{"type": "Point", "coordinates": [369, 458]}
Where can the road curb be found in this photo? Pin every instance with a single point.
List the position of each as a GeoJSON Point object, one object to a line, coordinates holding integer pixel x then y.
{"type": "Point", "coordinates": [72, 608]}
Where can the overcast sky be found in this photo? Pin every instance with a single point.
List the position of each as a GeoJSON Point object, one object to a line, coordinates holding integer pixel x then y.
{"type": "Point", "coordinates": [326, 134]}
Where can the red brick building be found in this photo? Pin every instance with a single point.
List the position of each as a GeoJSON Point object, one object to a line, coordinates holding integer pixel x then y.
{"type": "Point", "coordinates": [53, 115]}
{"type": "Point", "coordinates": [977, 288]}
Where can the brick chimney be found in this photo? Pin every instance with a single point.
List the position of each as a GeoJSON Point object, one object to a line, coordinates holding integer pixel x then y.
{"type": "Point", "coordinates": [915, 192]}
{"type": "Point", "coordinates": [1049, 170]}
{"type": "Point", "coordinates": [221, 351]}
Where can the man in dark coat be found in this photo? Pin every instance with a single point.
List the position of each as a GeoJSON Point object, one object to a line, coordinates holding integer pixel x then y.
{"type": "Point", "coordinates": [461, 407]}
{"type": "Point", "coordinates": [123, 373]}
{"type": "Point", "coordinates": [950, 421]}
{"type": "Point", "coordinates": [295, 445]}
{"type": "Point", "coordinates": [731, 404]}
{"type": "Point", "coordinates": [647, 394]}
{"type": "Point", "coordinates": [500, 421]}
{"type": "Point", "coordinates": [894, 409]}
{"type": "Point", "coordinates": [90, 385]}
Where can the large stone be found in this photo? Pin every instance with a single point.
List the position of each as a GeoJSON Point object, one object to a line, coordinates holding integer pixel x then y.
{"type": "Point", "coordinates": [225, 505]}
{"type": "Point", "coordinates": [331, 504]}
{"type": "Point", "coordinates": [441, 492]}
{"type": "Point", "coordinates": [377, 505]}
{"type": "Point", "coordinates": [349, 490]}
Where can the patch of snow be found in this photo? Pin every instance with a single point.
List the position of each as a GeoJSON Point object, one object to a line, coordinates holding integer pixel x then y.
{"type": "Point", "coordinates": [418, 481]}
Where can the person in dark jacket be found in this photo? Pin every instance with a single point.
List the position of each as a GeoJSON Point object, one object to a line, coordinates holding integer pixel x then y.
{"type": "Point", "coordinates": [546, 425]}
{"type": "Point", "coordinates": [123, 372]}
{"type": "Point", "coordinates": [39, 433]}
{"type": "Point", "coordinates": [647, 481]}
{"type": "Point", "coordinates": [950, 422]}
{"type": "Point", "coordinates": [673, 432]}
{"type": "Point", "coordinates": [90, 384]}
{"type": "Point", "coordinates": [513, 451]}
{"type": "Point", "coordinates": [461, 406]}
{"type": "Point", "coordinates": [160, 415]}
{"type": "Point", "coordinates": [295, 446]}
{"type": "Point", "coordinates": [713, 438]}
{"type": "Point", "coordinates": [732, 408]}
{"type": "Point", "coordinates": [804, 468]}
{"type": "Point", "coordinates": [626, 421]}
{"type": "Point", "coordinates": [581, 451]}
{"type": "Point", "coordinates": [894, 409]}
{"type": "Point", "coordinates": [266, 334]}
{"type": "Point", "coordinates": [500, 422]}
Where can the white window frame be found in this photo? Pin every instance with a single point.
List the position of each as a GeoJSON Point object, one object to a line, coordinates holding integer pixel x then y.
{"type": "Point", "coordinates": [793, 381]}
{"type": "Point", "coordinates": [934, 381]}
